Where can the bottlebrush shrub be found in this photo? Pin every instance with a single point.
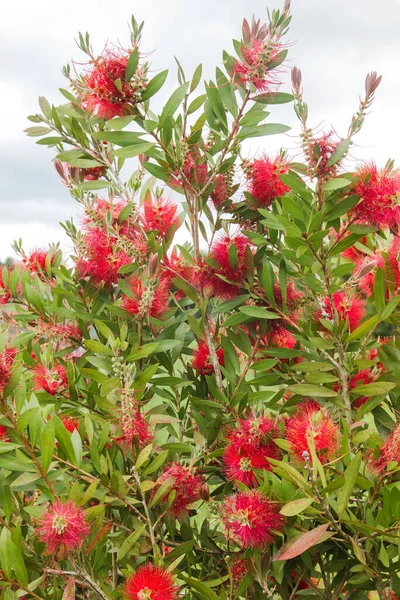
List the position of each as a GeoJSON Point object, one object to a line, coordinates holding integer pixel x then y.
{"type": "Point", "coordinates": [216, 417]}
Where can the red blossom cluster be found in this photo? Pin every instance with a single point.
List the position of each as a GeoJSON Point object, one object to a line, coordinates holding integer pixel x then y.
{"type": "Point", "coordinates": [53, 379]}
{"type": "Point", "coordinates": [319, 151]}
{"type": "Point", "coordinates": [63, 528]}
{"type": "Point", "coordinates": [107, 244]}
{"type": "Point", "coordinates": [6, 363]}
{"type": "Point", "coordinates": [349, 307]}
{"type": "Point", "coordinates": [135, 431]}
{"type": "Point", "coordinates": [251, 519]}
{"type": "Point", "coordinates": [389, 452]}
{"type": "Point", "coordinates": [250, 444]}
{"type": "Point", "coordinates": [189, 486]}
{"type": "Point", "coordinates": [150, 298]}
{"type": "Point", "coordinates": [159, 215]}
{"type": "Point", "coordinates": [264, 181]}
{"type": "Point", "coordinates": [150, 583]}
{"type": "Point", "coordinates": [35, 262]}
{"type": "Point", "coordinates": [201, 360]}
{"type": "Point", "coordinates": [226, 268]}
{"type": "Point", "coordinates": [379, 193]}
{"type": "Point", "coordinates": [312, 425]}
{"type": "Point", "coordinates": [104, 91]}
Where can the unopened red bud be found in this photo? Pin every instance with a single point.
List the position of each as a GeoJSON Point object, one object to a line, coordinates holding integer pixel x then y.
{"type": "Point", "coordinates": [372, 82]}
{"type": "Point", "coordinates": [59, 168]}
{"type": "Point", "coordinates": [153, 264]}
{"type": "Point", "coordinates": [296, 79]}
{"type": "Point", "coordinates": [143, 158]}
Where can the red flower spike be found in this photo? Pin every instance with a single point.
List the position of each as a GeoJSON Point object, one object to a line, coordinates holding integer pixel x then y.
{"type": "Point", "coordinates": [53, 380]}
{"type": "Point", "coordinates": [36, 261]}
{"type": "Point", "coordinates": [389, 452]}
{"type": "Point", "coordinates": [348, 307]}
{"type": "Point", "coordinates": [105, 92]}
{"type": "Point", "coordinates": [363, 377]}
{"type": "Point", "coordinates": [63, 527]}
{"type": "Point", "coordinates": [135, 429]}
{"type": "Point", "coordinates": [6, 362]}
{"type": "Point", "coordinates": [189, 487]}
{"type": "Point", "coordinates": [280, 337]}
{"type": "Point", "coordinates": [250, 519]}
{"type": "Point", "coordinates": [256, 66]}
{"type": "Point", "coordinates": [70, 423]}
{"type": "Point", "coordinates": [220, 193]}
{"type": "Point", "coordinates": [150, 583]}
{"type": "Point", "coordinates": [312, 422]}
{"type": "Point", "coordinates": [152, 301]}
{"type": "Point", "coordinates": [379, 195]}
{"type": "Point", "coordinates": [159, 215]}
{"type": "Point", "coordinates": [3, 434]}
{"type": "Point", "coordinates": [201, 360]}
{"type": "Point", "coordinates": [264, 181]}
{"type": "Point", "coordinates": [221, 254]}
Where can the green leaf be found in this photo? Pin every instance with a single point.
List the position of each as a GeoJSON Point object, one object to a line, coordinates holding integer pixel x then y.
{"type": "Point", "coordinates": [339, 152]}
{"type": "Point", "coordinates": [45, 107]}
{"type": "Point", "coordinates": [95, 185]}
{"type": "Point", "coordinates": [134, 150]}
{"type": "Point", "coordinates": [200, 587]}
{"type": "Point", "coordinates": [364, 328]}
{"type": "Point", "coordinates": [144, 455]}
{"type": "Point", "coordinates": [315, 391]}
{"type": "Point", "coordinates": [336, 184]}
{"type": "Point", "coordinates": [296, 506]}
{"type": "Point", "coordinates": [273, 98]}
{"type": "Point", "coordinates": [163, 491]}
{"type": "Point", "coordinates": [342, 207]}
{"type": "Point", "coordinates": [130, 542]}
{"type": "Point", "coordinates": [121, 138]}
{"type": "Point", "coordinates": [64, 438]}
{"type": "Point", "coordinates": [261, 130]}
{"type": "Point", "coordinates": [350, 476]}
{"type": "Point", "coordinates": [196, 78]}
{"type": "Point", "coordinates": [47, 444]}
{"type": "Point", "coordinates": [380, 289]}
{"type": "Point", "coordinates": [155, 85]}
{"type": "Point", "coordinates": [374, 389]}
{"type": "Point", "coordinates": [132, 64]}
{"type": "Point", "coordinates": [196, 103]}
{"type": "Point", "coordinates": [258, 312]}
{"type": "Point", "coordinates": [156, 171]}
{"type": "Point", "coordinates": [174, 102]}
{"type": "Point", "coordinates": [37, 131]}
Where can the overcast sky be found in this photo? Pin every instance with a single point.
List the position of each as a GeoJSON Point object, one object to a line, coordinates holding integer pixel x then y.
{"type": "Point", "coordinates": [334, 43]}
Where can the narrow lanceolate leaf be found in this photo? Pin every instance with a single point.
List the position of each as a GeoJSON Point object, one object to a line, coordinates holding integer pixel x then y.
{"type": "Point", "coordinates": [298, 545]}
{"type": "Point", "coordinates": [350, 476]}
{"type": "Point", "coordinates": [296, 506]}
{"type": "Point", "coordinates": [155, 85]}
{"type": "Point", "coordinates": [258, 312]}
{"type": "Point", "coordinates": [273, 98]}
{"type": "Point", "coordinates": [174, 102]}
{"type": "Point", "coordinates": [261, 130]}
{"type": "Point", "coordinates": [132, 64]}
{"type": "Point", "coordinates": [315, 391]}
{"type": "Point", "coordinates": [129, 542]}
{"type": "Point", "coordinates": [47, 444]}
{"type": "Point", "coordinates": [339, 152]}
{"type": "Point", "coordinates": [374, 389]}
{"type": "Point", "coordinates": [336, 184]}
{"type": "Point", "coordinates": [69, 590]}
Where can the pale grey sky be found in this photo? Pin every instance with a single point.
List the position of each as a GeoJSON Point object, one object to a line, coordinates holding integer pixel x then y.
{"type": "Point", "coordinates": [334, 43]}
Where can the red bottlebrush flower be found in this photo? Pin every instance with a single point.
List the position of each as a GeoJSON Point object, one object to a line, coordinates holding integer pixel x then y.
{"type": "Point", "coordinates": [228, 255]}
{"type": "Point", "coordinates": [151, 301]}
{"type": "Point", "coordinates": [70, 423]}
{"type": "Point", "coordinates": [264, 181]}
{"type": "Point", "coordinates": [201, 360]}
{"type": "Point", "coordinates": [389, 452]}
{"type": "Point", "coordinates": [93, 173]}
{"type": "Point", "coordinates": [256, 66]}
{"type": "Point", "coordinates": [196, 174]}
{"type": "Point", "coordinates": [293, 296]}
{"type": "Point", "coordinates": [311, 422]}
{"type": "Point", "coordinates": [135, 430]}
{"type": "Point", "coordinates": [63, 528]}
{"type": "Point", "coordinates": [189, 487]}
{"type": "Point", "coordinates": [176, 266]}
{"type": "Point", "coordinates": [159, 215]}
{"type": "Point", "coordinates": [251, 443]}
{"type": "Point", "coordinates": [250, 519]}
{"type": "Point", "coordinates": [348, 307]}
{"type": "Point", "coordinates": [53, 380]}
{"type": "Point", "coordinates": [319, 152]}
{"type": "Point", "coordinates": [220, 193]}
{"type": "Point", "coordinates": [280, 337]}
{"type": "Point", "coordinates": [239, 570]}
{"type": "Point", "coordinates": [36, 261]}
{"type": "Point", "coordinates": [5, 293]}
{"type": "Point", "coordinates": [150, 583]}
{"type": "Point", "coordinates": [102, 260]}
{"type": "Point", "coordinates": [363, 377]}
{"type": "Point", "coordinates": [3, 434]}
{"type": "Point", "coordinates": [379, 193]}
{"type": "Point", "coordinates": [6, 362]}
{"type": "Point", "coordinates": [105, 93]}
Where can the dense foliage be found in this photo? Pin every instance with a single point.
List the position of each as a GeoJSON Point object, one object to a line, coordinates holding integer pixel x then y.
{"type": "Point", "coordinates": [202, 401]}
